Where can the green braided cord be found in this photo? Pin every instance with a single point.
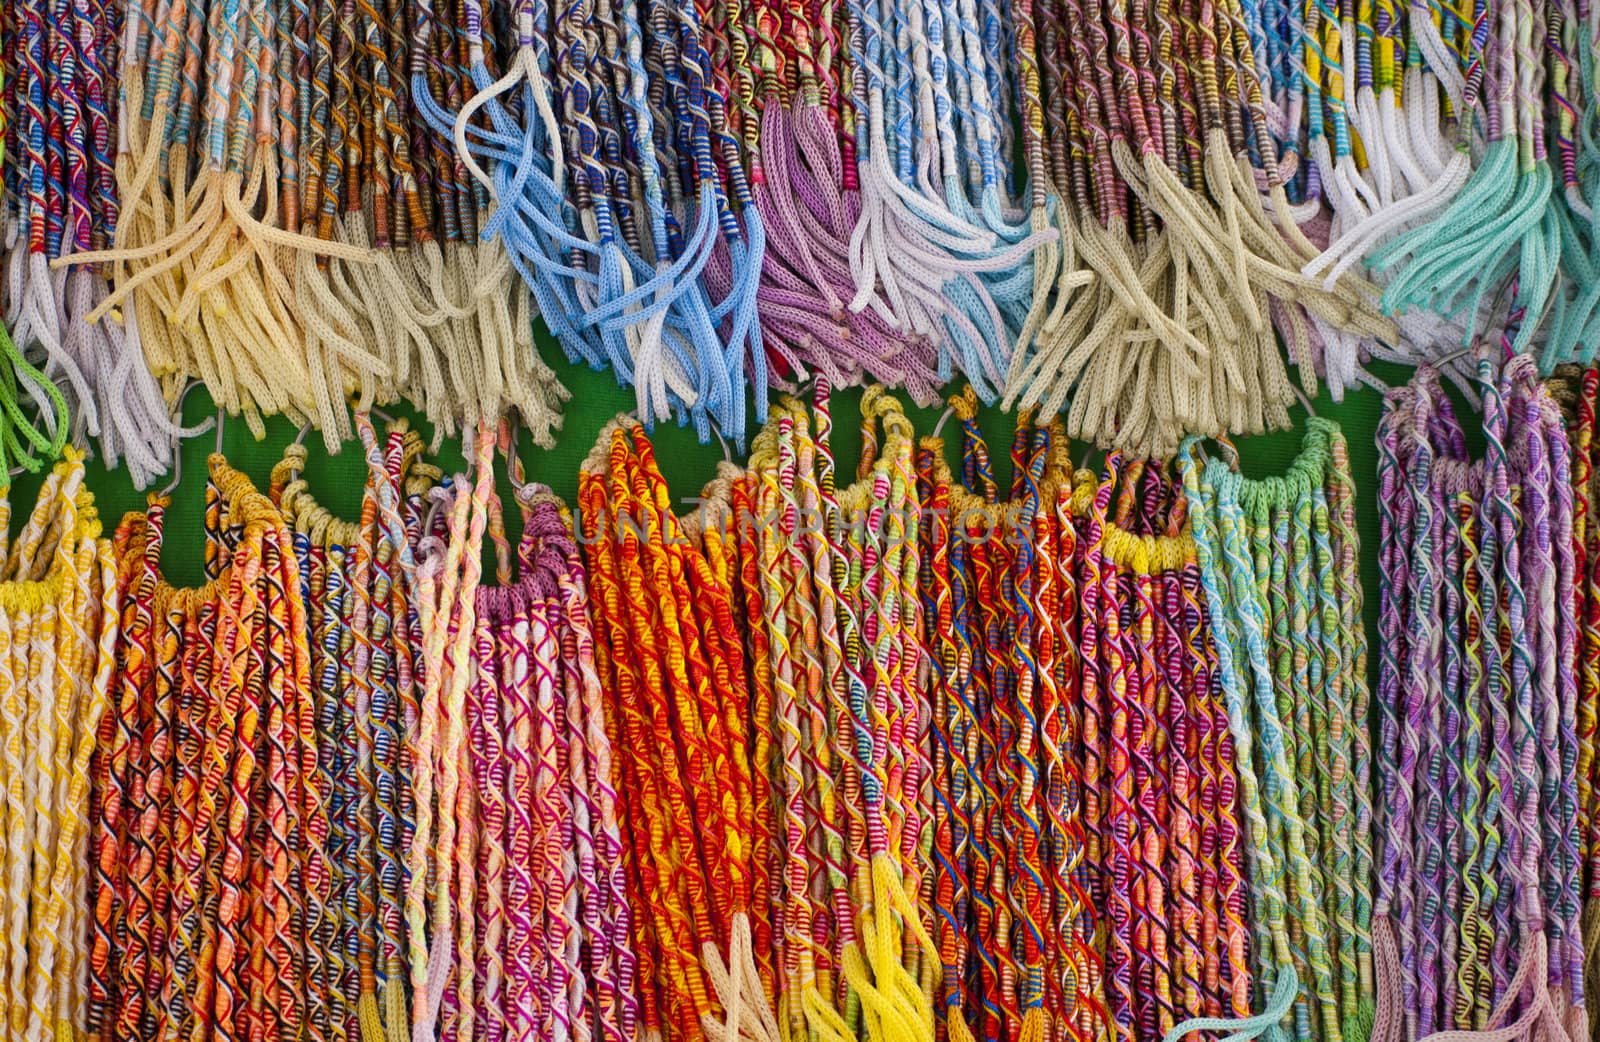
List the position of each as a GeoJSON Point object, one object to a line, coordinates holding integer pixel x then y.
{"type": "Point", "coordinates": [1281, 780]}
{"type": "Point", "coordinates": [1290, 661]}
{"type": "Point", "coordinates": [1326, 729]}
{"type": "Point", "coordinates": [1275, 967]}
{"type": "Point", "coordinates": [1353, 637]}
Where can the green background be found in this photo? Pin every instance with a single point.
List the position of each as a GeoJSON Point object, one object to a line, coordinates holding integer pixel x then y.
{"type": "Point", "coordinates": [337, 480]}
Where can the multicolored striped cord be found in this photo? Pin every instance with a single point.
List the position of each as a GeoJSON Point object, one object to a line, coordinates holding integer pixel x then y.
{"type": "Point", "coordinates": [673, 668]}
{"type": "Point", "coordinates": [1504, 522]}
{"type": "Point", "coordinates": [61, 615]}
{"type": "Point", "coordinates": [1293, 537]}
{"type": "Point", "coordinates": [207, 786]}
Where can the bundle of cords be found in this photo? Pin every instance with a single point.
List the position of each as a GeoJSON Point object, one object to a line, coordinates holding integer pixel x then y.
{"type": "Point", "coordinates": [440, 857]}
{"type": "Point", "coordinates": [553, 913]}
{"type": "Point", "coordinates": [1577, 390]}
{"type": "Point", "coordinates": [428, 313]}
{"type": "Point", "coordinates": [872, 529]}
{"type": "Point", "coordinates": [1015, 923]}
{"type": "Point", "coordinates": [63, 199]}
{"type": "Point", "coordinates": [789, 111]}
{"type": "Point", "coordinates": [282, 205]}
{"type": "Point", "coordinates": [359, 582]}
{"type": "Point", "coordinates": [672, 666]}
{"type": "Point", "coordinates": [1164, 141]}
{"type": "Point", "coordinates": [1504, 223]}
{"type": "Point", "coordinates": [22, 442]}
{"type": "Point", "coordinates": [801, 718]}
{"type": "Point", "coordinates": [1159, 766]}
{"type": "Point", "coordinates": [1279, 563]}
{"type": "Point", "coordinates": [1477, 685]}
{"type": "Point", "coordinates": [939, 249]}
{"type": "Point", "coordinates": [58, 603]}
{"type": "Point", "coordinates": [1387, 84]}
{"type": "Point", "coordinates": [517, 826]}
{"type": "Point", "coordinates": [195, 167]}
{"type": "Point", "coordinates": [1572, 33]}
{"type": "Point", "coordinates": [641, 105]}
{"type": "Point", "coordinates": [783, 66]}
{"type": "Point", "coordinates": [212, 885]}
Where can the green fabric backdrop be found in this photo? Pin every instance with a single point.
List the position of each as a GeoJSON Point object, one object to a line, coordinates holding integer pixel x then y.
{"type": "Point", "coordinates": [596, 398]}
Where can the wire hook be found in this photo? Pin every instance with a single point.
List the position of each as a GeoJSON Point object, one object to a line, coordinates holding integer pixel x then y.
{"type": "Point", "coordinates": [716, 428]}
{"type": "Point", "coordinates": [1303, 399]}
{"type": "Point", "coordinates": [177, 422]}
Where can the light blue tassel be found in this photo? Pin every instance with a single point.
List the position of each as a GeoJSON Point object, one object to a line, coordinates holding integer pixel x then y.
{"type": "Point", "coordinates": [1470, 217]}
{"type": "Point", "coordinates": [1266, 1025]}
{"type": "Point", "coordinates": [1502, 221]}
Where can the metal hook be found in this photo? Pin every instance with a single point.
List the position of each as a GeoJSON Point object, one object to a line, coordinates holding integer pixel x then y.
{"type": "Point", "coordinates": [1440, 363]}
{"type": "Point", "coordinates": [949, 411]}
{"type": "Point", "coordinates": [1304, 400]}
{"type": "Point", "coordinates": [177, 421]}
{"type": "Point", "coordinates": [436, 497]}
{"type": "Point", "coordinates": [716, 428]}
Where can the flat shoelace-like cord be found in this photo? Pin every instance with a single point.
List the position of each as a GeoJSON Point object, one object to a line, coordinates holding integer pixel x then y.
{"type": "Point", "coordinates": [69, 622]}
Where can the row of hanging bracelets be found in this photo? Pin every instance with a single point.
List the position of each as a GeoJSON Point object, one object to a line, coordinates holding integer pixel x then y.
{"type": "Point", "coordinates": [907, 753]}
{"type": "Point", "coordinates": [300, 203]}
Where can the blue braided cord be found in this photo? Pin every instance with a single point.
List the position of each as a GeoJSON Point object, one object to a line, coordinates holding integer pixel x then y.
{"type": "Point", "coordinates": [967, 168]}
{"type": "Point", "coordinates": [898, 60]}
